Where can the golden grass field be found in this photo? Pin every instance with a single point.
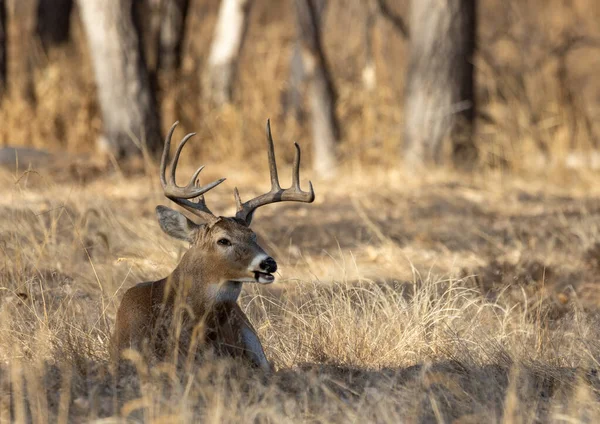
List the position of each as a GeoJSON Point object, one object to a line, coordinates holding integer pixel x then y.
{"type": "Point", "coordinates": [442, 297]}
{"type": "Point", "coordinates": [438, 299]}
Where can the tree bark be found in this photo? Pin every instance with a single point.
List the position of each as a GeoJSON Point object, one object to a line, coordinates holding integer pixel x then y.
{"type": "Point", "coordinates": [439, 93]}
{"type": "Point", "coordinates": [292, 96]}
{"type": "Point", "coordinates": [322, 96]}
{"type": "Point", "coordinates": [129, 113]}
{"type": "Point", "coordinates": [225, 50]}
{"type": "Point", "coordinates": [3, 66]}
{"type": "Point", "coordinates": [21, 32]}
{"type": "Point", "coordinates": [147, 19]}
{"type": "Point", "coordinates": [172, 32]}
{"type": "Point", "coordinates": [53, 22]}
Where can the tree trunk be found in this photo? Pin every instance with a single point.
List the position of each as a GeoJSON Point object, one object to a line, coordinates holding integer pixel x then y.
{"type": "Point", "coordinates": [172, 32]}
{"type": "Point", "coordinates": [225, 49]}
{"type": "Point", "coordinates": [3, 67]}
{"type": "Point", "coordinates": [53, 22]}
{"type": "Point", "coordinates": [129, 112]}
{"type": "Point", "coordinates": [322, 94]}
{"type": "Point", "coordinates": [439, 94]}
{"type": "Point", "coordinates": [147, 18]}
{"type": "Point", "coordinates": [292, 96]}
{"type": "Point", "coordinates": [21, 31]}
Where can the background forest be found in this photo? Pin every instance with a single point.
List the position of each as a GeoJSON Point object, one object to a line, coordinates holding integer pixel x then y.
{"type": "Point", "coordinates": [447, 271]}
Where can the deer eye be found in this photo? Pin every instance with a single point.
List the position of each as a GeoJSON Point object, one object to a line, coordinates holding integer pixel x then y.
{"type": "Point", "coordinates": [224, 242]}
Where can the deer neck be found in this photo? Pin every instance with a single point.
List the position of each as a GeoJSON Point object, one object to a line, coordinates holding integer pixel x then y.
{"type": "Point", "coordinates": [193, 281]}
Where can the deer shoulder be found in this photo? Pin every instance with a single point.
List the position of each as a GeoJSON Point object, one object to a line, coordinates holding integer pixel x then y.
{"type": "Point", "coordinates": [224, 254]}
{"type": "Point", "coordinates": [137, 315]}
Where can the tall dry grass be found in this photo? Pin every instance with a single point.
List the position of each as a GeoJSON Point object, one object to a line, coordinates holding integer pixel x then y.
{"type": "Point", "coordinates": [380, 313]}
{"type": "Point", "coordinates": [443, 298]}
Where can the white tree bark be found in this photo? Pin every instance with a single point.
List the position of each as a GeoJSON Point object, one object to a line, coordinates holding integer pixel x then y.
{"type": "Point", "coordinates": [226, 46]}
{"type": "Point", "coordinates": [129, 113]}
{"type": "Point", "coordinates": [439, 97]}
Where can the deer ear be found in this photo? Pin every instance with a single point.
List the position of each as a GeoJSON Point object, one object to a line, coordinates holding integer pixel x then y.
{"type": "Point", "coordinates": [176, 224]}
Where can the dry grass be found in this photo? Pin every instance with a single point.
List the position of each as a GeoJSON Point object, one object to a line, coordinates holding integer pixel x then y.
{"type": "Point", "coordinates": [443, 298]}
{"type": "Point", "coordinates": [433, 300]}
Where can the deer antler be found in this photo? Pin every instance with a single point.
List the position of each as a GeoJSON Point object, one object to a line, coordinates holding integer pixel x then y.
{"type": "Point", "coordinates": [180, 195]}
{"type": "Point", "coordinates": [277, 194]}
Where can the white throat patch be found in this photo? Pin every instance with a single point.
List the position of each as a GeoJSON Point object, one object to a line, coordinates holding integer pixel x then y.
{"type": "Point", "coordinates": [228, 291]}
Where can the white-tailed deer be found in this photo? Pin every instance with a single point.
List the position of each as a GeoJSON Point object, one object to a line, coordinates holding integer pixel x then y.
{"type": "Point", "coordinates": [196, 306]}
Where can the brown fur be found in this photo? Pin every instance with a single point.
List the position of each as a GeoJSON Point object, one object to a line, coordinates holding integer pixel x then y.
{"type": "Point", "coordinates": [195, 307]}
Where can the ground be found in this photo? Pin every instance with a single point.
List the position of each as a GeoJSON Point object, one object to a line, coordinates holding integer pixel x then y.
{"type": "Point", "coordinates": [442, 298]}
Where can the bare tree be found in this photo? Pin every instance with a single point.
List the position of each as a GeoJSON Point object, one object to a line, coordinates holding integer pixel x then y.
{"type": "Point", "coordinates": [322, 94]}
{"type": "Point", "coordinates": [439, 95]}
{"type": "Point", "coordinates": [3, 67]}
{"type": "Point", "coordinates": [225, 49]}
{"type": "Point", "coordinates": [129, 111]}
{"type": "Point", "coordinates": [172, 32]}
{"type": "Point", "coordinates": [53, 22]}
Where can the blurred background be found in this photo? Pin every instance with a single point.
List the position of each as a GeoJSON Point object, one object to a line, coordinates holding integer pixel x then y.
{"type": "Point", "coordinates": [465, 293]}
{"type": "Point", "coordinates": [474, 84]}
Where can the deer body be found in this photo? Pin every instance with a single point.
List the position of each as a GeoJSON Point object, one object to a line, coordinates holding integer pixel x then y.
{"type": "Point", "coordinates": [205, 293]}
{"type": "Point", "coordinates": [195, 308]}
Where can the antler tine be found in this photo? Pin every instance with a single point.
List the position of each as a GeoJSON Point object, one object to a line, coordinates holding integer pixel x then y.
{"type": "Point", "coordinates": [165, 155]}
{"type": "Point", "coordinates": [296, 170]}
{"type": "Point", "coordinates": [175, 160]}
{"type": "Point", "coordinates": [272, 163]}
{"type": "Point", "coordinates": [238, 200]}
{"type": "Point", "coordinates": [310, 195]}
{"type": "Point", "coordinates": [201, 202]}
{"type": "Point", "coordinates": [180, 195]}
{"type": "Point", "coordinates": [245, 211]}
{"type": "Point", "coordinates": [194, 178]}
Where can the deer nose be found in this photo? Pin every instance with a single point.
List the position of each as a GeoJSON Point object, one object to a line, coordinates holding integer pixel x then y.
{"type": "Point", "coordinates": [268, 265]}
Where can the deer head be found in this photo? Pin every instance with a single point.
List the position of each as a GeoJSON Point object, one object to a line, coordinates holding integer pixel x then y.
{"type": "Point", "coordinates": [223, 249]}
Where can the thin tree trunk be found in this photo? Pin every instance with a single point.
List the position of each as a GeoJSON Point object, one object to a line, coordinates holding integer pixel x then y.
{"type": "Point", "coordinates": [322, 94]}
{"type": "Point", "coordinates": [439, 95]}
{"type": "Point", "coordinates": [147, 15]}
{"type": "Point", "coordinates": [21, 26]}
{"type": "Point", "coordinates": [3, 66]}
{"type": "Point", "coordinates": [129, 111]}
{"type": "Point", "coordinates": [53, 22]}
{"type": "Point", "coordinates": [225, 50]}
{"type": "Point", "coordinates": [292, 96]}
{"type": "Point", "coordinates": [172, 32]}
